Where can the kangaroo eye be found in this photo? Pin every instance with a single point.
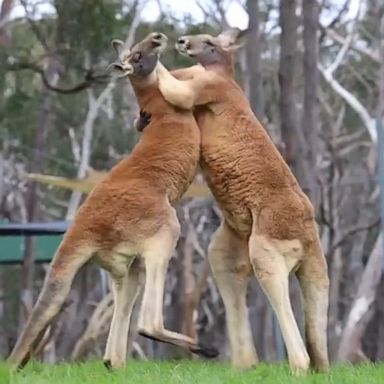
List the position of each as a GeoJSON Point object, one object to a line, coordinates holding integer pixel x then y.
{"type": "Point", "coordinates": [136, 57]}
{"type": "Point", "coordinates": [208, 42]}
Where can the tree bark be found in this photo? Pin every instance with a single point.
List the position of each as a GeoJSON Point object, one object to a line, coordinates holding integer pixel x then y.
{"type": "Point", "coordinates": [253, 59]}
{"type": "Point", "coordinates": [5, 12]}
{"type": "Point", "coordinates": [44, 123]}
{"type": "Point", "coordinates": [94, 105]}
{"type": "Point", "coordinates": [292, 135]}
{"type": "Point", "coordinates": [3, 338]}
{"type": "Point", "coordinates": [310, 125]}
{"type": "Point", "coordinates": [361, 311]}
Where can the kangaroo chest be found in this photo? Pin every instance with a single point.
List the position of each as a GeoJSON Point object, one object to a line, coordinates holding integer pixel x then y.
{"type": "Point", "coordinates": [229, 185]}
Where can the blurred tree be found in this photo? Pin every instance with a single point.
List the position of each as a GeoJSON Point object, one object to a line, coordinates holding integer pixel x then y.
{"type": "Point", "coordinates": [310, 120]}
{"type": "Point", "coordinates": [292, 136]}
{"type": "Point", "coordinates": [253, 58]}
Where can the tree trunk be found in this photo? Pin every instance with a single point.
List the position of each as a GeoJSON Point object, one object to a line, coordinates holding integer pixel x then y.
{"type": "Point", "coordinates": [94, 105]}
{"type": "Point", "coordinates": [292, 135]}
{"type": "Point", "coordinates": [335, 276]}
{"type": "Point", "coordinates": [379, 337]}
{"type": "Point", "coordinates": [188, 305]}
{"type": "Point", "coordinates": [361, 311]}
{"type": "Point", "coordinates": [3, 338]}
{"type": "Point", "coordinates": [310, 114]}
{"type": "Point", "coordinates": [253, 59]}
{"type": "Point", "coordinates": [5, 12]}
{"type": "Point", "coordinates": [380, 116]}
{"type": "Point", "coordinates": [45, 121]}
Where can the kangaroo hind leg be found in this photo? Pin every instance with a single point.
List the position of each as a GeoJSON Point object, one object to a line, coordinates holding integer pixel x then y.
{"type": "Point", "coordinates": [65, 264]}
{"type": "Point", "coordinates": [157, 253]}
{"type": "Point", "coordinates": [231, 268]}
{"type": "Point", "coordinates": [314, 283]}
{"type": "Point", "coordinates": [126, 288]}
{"type": "Point", "coordinates": [272, 272]}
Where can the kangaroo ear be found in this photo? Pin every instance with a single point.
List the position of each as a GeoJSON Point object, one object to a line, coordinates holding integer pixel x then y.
{"type": "Point", "coordinates": [118, 46]}
{"type": "Point", "coordinates": [116, 69]}
{"type": "Point", "coordinates": [233, 38]}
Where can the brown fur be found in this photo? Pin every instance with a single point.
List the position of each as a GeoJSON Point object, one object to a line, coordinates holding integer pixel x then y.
{"type": "Point", "coordinates": [262, 204]}
{"type": "Point", "coordinates": [128, 214]}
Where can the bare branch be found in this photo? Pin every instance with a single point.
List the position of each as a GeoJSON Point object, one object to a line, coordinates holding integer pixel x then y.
{"type": "Point", "coordinates": [380, 110]}
{"type": "Point", "coordinates": [136, 346]}
{"type": "Point", "coordinates": [346, 45]}
{"type": "Point", "coordinates": [139, 6]}
{"type": "Point", "coordinates": [100, 316]}
{"type": "Point", "coordinates": [352, 101]}
{"type": "Point", "coordinates": [352, 231]}
{"type": "Point", "coordinates": [361, 311]}
{"type": "Point", "coordinates": [332, 34]}
{"type": "Point", "coordinates": [341, 54]}
{"type": "Point", "coordinates": [339, 14]}
{"type": "Point", "coordinates": [160, 6]}
{"type": "Point", "coordinates": [89, 79]}
{"type": "Point", "coordinates": [348, 97]}
{"type": "Point", "coordinates": [210, 13]}
{"type": "Point", "coordinates": [221, 12]}
{"type": "Point", "coordinates": [34, 27]}
{"type": "Point", "coordinates": [74, 144]}
{"type": "Point", "coordinates": [94, 105]}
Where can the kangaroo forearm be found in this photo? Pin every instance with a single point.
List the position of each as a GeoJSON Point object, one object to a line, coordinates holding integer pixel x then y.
{"type": "Point", "coordinates": [185, 73]}
{"type": "Point", "coordinates": [176, 92]}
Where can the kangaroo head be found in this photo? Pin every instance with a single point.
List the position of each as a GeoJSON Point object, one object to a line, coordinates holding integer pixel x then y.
{"type": "Point", "coordinates": [208, 50]}
{"type": "Point", "coordinates": [141, 59]}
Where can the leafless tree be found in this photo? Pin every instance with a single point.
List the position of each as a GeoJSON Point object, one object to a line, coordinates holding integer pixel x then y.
{"type": "Point", "coordinates": [292, 135]}
{"type": "Point", "coordinates": [310, 119]}
{"type": "Point", "coordinates": [253, 58]}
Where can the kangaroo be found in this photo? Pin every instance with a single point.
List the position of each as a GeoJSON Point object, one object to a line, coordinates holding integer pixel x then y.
{"type": "Point", "coordinates": [268, 222]}
{"type": "Point", "coordinates": [128, 221]}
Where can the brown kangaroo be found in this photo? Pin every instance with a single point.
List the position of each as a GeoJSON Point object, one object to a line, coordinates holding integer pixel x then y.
{"type": "Point", "coordinates": [269, 223]}
{"type": "Point", "coordinates": [129, 218]}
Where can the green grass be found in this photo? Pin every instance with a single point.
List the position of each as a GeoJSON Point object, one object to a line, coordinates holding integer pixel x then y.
{"type": "Point", "coordinates": [185, 372]}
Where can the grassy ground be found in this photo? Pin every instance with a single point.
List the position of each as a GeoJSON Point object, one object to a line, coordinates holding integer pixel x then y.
{"type": "Point", "coordinates": [184, 372]}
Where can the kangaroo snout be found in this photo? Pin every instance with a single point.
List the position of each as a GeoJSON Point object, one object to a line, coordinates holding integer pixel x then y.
{"type": "Point", "coordinates": [183, 45]}
{"type": "Point", "coordinates": [159, 41]}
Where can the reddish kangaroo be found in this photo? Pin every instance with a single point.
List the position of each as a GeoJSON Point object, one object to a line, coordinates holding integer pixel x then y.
{"type": "Point", "coordinates": [129, 218]}
{"type": "Point", "coordinates": [269, 225]}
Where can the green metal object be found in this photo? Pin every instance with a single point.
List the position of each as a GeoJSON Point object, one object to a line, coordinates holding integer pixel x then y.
{"type": "Point", "coordinates": [12, 248]}
{"type": "Point", "coordinates": [48, 236]}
